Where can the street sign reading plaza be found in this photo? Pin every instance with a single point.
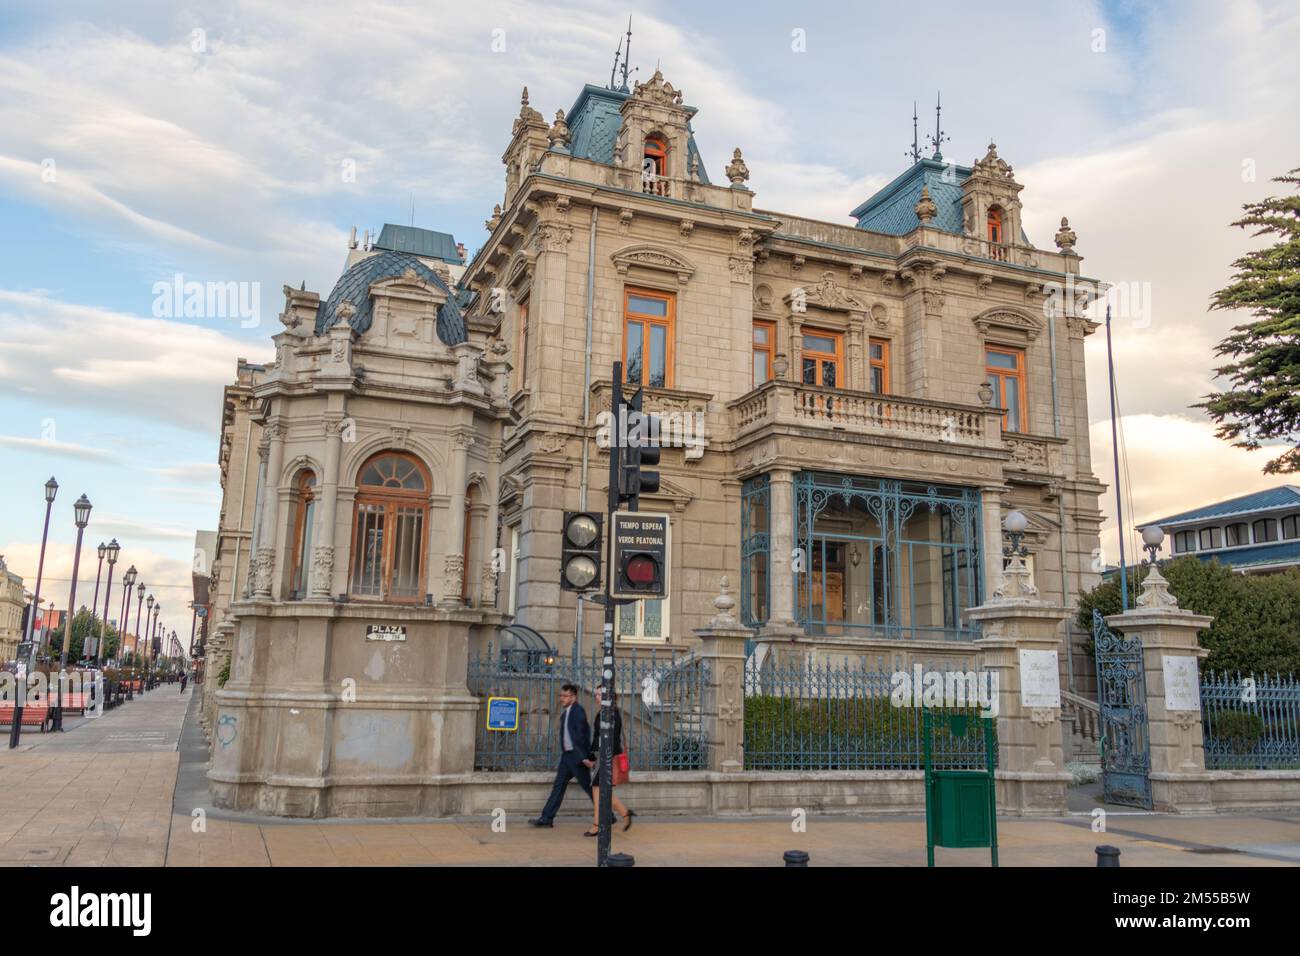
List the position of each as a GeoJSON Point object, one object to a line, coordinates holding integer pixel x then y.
{"type": "Point", "coordinates": [385, 632]}
{"type": "Point", "coordinates": [503, 713]}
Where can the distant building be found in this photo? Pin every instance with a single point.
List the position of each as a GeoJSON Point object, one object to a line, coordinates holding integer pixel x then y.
{"type": "Point", "coordinates": [11, 612]}
{"type": "Point", "coordinates": [1255, 534]}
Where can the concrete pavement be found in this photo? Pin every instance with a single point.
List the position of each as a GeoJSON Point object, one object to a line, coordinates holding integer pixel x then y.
{"type": "Point", "coordinates": [119, 792]}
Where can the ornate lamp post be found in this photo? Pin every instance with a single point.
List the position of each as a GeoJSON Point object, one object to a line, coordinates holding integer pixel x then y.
{"type": "Point", "coordinates": [128, 580]}
{"type": "Point", "coordinates": [1017, 581]}
{"type": "Point", "coordinates": [113, 550]}
{"type": "Point", "coordinates": [15, 732]}
{"type": "Point", "coordinates": [81, 512]}
{"type": "Point", "coordinates": [1153, 536]}
{"type": "Point", "coordinates": [94, 604]}
{"type": "Point", "coordinates": [139, 622]}
{"type": "Point", "coordinates": [151, 661]}
{"type": "Point", "coordinates": [147, 634]}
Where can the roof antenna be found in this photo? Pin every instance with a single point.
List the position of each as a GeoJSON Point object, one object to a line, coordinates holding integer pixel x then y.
{"type": "Point", "coordinates": [412, 210]}
{"type": "Point", "coordinates": [627, 55]}
{"type": "Point", "coordinates": [937, 140]}
{"type": "Point", "coordinates": [617, 53]}
{"type": "Point", "coordinates": [915, 151]}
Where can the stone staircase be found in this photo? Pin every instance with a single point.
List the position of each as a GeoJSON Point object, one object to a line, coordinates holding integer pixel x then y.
{"type": "Point", "coordinates": [1081, 729]}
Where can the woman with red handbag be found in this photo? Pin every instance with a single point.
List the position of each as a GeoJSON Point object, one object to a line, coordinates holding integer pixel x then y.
{"type": "Point", "coordinates": [620, 768]}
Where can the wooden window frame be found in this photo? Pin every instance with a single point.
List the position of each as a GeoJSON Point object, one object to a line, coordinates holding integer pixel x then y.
{"type": "Point", "coordinates": [995, 219]}
{"type": "Point", "coordinates": [768, 350]}
{"type": "Point", "coordinates": [1018, 375]}
{"type": "Point", "coordinates": [391, 499]}
{"type": "Point", "coordinates": [882, 363]}
{"type": "Point", "coordinates": [304, 494]}
{"type": "Point", "coordinates": [657, 149]}
{"type": "Point", "coordinates": [668, 321]}
{"type": "Point", "coordinates": [1254, 536]}
{"type": "Point", "coordinates": [841, 376]}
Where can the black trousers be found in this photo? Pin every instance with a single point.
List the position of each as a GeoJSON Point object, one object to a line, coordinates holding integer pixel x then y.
{"type": "Point", "coordinates": [570, 766]}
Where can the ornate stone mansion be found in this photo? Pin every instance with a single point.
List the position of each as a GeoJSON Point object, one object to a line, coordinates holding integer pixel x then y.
{"type": "Point", "coordinates": [873, 398]}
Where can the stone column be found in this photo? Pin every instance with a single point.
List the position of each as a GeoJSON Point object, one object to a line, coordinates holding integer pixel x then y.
{"type": "Point", "coordinates": [991, 546]}
{"type": "Point", "coordinates": [722, 710]}
{"type": "Point", "coordinates": [1020, 649]}
{"type": "Point", "coordinates": [322, 552]}
{"type": "Point", "coordinates": [1170, 651]}
{"type": "Point", "coordinates": [262, 563]}
{"type": "Point", "coordinates": [455, 560]}
{"type": "Point", "coordinates": [781, 546]}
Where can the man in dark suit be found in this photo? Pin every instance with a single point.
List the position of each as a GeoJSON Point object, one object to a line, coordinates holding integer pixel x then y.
{"type": "Point", "coordinates": [575, 744]}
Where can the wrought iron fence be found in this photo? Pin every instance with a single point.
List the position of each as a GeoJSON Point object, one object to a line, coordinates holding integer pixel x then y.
{"type": "Point", "coordinates": [659, 693]}
{"type": "Point", "coordinates": [1250, 723]}
{"type": "Point", "coordinates": [829, 717]}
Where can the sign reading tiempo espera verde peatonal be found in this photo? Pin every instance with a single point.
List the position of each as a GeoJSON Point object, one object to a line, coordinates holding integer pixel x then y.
{"type": "Point", "coordinates": [638, 544]}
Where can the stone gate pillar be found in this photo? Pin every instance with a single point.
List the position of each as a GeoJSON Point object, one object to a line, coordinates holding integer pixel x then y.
{"type": "Point", "coordinates": [1170, 656]}
{"type": "Point", "coordinates": [1020, 647]}
{"type": "Point", "coordinates": [723, 705]}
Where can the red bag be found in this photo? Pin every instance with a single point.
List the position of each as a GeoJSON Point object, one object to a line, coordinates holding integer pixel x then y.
{"type": "Point", "coordinates": [621, 769]}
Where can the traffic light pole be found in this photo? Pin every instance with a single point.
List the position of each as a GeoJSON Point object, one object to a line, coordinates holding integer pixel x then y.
{"type": "Point", "coordinates": [605, 765]}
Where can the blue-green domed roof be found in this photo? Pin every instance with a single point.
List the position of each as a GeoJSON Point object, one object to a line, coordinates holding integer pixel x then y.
{"type": "Point", "coordinates": [354, 287]}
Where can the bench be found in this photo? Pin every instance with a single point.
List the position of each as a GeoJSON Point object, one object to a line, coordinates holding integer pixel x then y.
{"type": "Point", "coordinates": [34, 715]}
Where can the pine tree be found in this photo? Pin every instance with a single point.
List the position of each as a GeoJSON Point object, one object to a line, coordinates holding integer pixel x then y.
{"type": "Point", "coordinates": [1263, 403]}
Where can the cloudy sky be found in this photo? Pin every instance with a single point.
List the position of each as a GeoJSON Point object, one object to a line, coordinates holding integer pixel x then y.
{"type": "Point", "coordinates": [239, 140]}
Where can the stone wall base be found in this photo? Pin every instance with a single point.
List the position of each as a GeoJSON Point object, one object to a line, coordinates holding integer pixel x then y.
{"type": "Point", "coordinates": [1254, 789]}
{"type": "Point", "coordinates": [700, 793]}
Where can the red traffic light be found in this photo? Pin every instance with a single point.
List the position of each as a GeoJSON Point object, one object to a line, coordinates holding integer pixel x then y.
{"type": "Point", "coordinates": [642, 570]}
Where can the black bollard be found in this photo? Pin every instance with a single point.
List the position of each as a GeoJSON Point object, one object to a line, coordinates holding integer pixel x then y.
{"type": "Point", "coordinates": [795, 858]}
{"type": "Point", "coordinates": [1108, 856]}
{"type": "Point", "coordinates": [620, 859]}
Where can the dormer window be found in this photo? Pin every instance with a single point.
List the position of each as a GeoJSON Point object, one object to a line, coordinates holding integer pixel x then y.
{"type": "Point", "coordinates": [654, 166]}
{"type": "Point", "coordinates": [995, 225]}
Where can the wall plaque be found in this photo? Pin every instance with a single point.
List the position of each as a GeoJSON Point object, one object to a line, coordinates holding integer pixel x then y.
{"type": "Point", "coordinates": [1182, 683]}
{"type": "Point", "coordinates": [1040, 679]}
{"type": "Point", "coordinates": [385, 632]}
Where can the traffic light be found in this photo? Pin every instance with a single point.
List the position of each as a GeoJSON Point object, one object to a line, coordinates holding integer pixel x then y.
{"type": "Point", "coordinates": [580, 550]}
{"type": "Point", "coordinates": [640, 555]}
{"type": "Point", "coordinates": [642, 449]}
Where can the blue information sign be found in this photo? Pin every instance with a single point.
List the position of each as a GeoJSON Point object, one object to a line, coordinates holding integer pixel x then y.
{"type": "Point", "coordinates": [503, 713]}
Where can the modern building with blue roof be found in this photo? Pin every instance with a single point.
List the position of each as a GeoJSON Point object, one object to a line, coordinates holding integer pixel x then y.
{"type": "Point", "coordinates": [1255, 533]}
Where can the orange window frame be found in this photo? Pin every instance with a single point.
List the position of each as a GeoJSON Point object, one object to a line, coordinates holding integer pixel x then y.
{"type": "Point", "coordinates": [841, 374]}
{"type": "Point", "coordinates": [995, 225]}
{"type": "Point", "coordinates": [390, 500]}
{"type": "Point", "coordinates": [881, 363]}
{"type": "Point", "coordinates": [768, 349]}
{"type": "Point", "coordinates": [656, 149]}
{"type": "Point", "coordinates": [668, 321]}
{"type": "Point", "coordinates": [1005, 375]}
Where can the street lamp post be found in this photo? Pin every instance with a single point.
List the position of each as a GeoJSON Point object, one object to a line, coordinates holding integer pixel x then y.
{"type": "Point", "coordinates": [151, 649]}
{"type": "Point", "coordinates": [128, 580]}
{"type": "Point", "coordinates": [139, 618]}
{"type": "Point", "coordinates": [15, 732]}
{"type": "Point", "coordinates": [102, 550]}
{"type": "Point", "coordinates": [148, 633]}
{"type": "Point", "coordinates": [113, 550]}
{"type": "Point", "coordinates": [81, 511]}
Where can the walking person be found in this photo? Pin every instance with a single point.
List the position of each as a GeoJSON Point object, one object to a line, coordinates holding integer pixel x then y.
{"type": "Point", "coordinates": [185, 679]}
{"type": "Point", "coordinates": [614, 801]}
{"type": "Point", "coordinates": [575, 741]}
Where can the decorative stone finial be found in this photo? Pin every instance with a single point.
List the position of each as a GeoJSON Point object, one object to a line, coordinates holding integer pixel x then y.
{"type": "Point", "coordinates": [1065, 237]}
{"type": "Point", "coordinates": [491, 224]}
{"type": "Point", "coordinates": [724, 602]}
{"type": "Point", "coordinates": [558, 134]}
{"type": "Point", "coordinates": [925, 207]}
{"type": "Point", "coordinates": [985, 392]}
{"type": "Point", "coordinates": [695, 167]}
{"type": "Point", "coordinates": [737, 171]}
{"type": "Point", "coordinates": [523, 101]}
{"type": "Point", "coordinates": [1155, 592]}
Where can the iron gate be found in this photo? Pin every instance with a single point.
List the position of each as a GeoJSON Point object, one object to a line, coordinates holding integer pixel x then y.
{"type": "Point", "coordinates": [1122, 695]}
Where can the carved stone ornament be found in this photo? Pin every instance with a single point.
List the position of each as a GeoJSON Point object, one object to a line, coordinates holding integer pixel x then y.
{"type": "Point", "coordinates": [992, 165]}
{"type": "Point", "coordinates": [657, 90]}
{"type": "Point", "coordinates": [736, 170]}
{"type": "Point", "coordinates": [686, 227]}
{"type": "Point", "coordinates": [261, 569]}
{"type": "Point", "coordinates": [653, 257]}
{"type": "Point", "coordinates": [1065, 237]}
{"type": "Point", "coordinates": [1017, 582]}
{"type": "Point", "coordinates": [527, 115]}
{"type": "Point", "coordinates": [322, 569]}
{"type": "Point", "coordinates": [558, 134]}
{"type": "Point", "coordinates": [742, 268]}
{"type": "Point", "coordinates": [1155, 592]}
{"type": "Point", "coordinates": [1043, 716]}
{"type": "Point", "coordinates": [551, 443]}
{"type": "Point", "coordinates": [724, 602]}
{"type": "Point", "coordinates": [491, 224]}
{"type": "Point", "coordinates": [1006, 319]}
{"type": "Point", "coordinates": [828, 294]}
{"type": "Point", "coordinates": [925, 207]}
{"type": "Point", "coordinates": [453, 572]}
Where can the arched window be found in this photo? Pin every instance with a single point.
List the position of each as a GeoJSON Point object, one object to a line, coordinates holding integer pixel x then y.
{"type": "Point", "coordinates": [656, 155]}
{"type": "Point", "coordinates": [304, 491]}
{"type": "Point", "coordinates": [389, 523]}
{"type": "Point", "coordinates": [995, 225]}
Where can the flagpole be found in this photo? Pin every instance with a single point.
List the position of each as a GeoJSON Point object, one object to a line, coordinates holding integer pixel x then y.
{"type": "Point", "coordinates": [1114, 441]}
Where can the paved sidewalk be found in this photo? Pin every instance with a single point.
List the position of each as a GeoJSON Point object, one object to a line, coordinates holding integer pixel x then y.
{"type": "Point", "coordinates": [118, 792]}
{"type": "Point", "coordinates": [98, 794]}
